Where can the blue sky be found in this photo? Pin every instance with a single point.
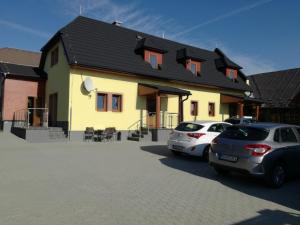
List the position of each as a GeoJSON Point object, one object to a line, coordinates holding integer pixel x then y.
{"type": "Point", "coordinates": [260, 35]}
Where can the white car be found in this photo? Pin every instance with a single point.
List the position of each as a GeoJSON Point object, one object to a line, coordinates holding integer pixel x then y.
{"type": "Point", "coordinates": [194, 138]}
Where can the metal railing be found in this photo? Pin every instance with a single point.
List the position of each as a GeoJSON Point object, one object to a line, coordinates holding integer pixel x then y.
{"type": "Point", "coordinates": [31, 117]}
{"type": "Point", "coordinates": [167, 121]}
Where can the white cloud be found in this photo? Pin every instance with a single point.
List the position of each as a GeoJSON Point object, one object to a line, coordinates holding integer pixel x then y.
{"type": "Point", "coordinates": [130, 14]}
{"type": "Point", "coordinates": [221, 17]}
{"type": "Point", "coordinates": [252, 64]}
{"type": "Point", "coordinates": [24, 28]}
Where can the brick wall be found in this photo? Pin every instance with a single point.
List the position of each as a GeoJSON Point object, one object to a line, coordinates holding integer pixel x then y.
{"type": "Point", "coordinates": [16, 93]}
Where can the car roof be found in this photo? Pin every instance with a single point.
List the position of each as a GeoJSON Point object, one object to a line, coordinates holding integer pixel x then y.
{"type": "Point", "coordinates": [267, 125]}
{"type": "Point", "coordinates": [204, 122]}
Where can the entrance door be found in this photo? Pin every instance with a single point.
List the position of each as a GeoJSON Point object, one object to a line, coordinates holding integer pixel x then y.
{"type": "Point", "coordinates": [232, 109]}
{"type": "Point", "coordinates": [30, 106]}
{"type": "Point", "coordinates": [35, 115]}
{"type": "Point", "coordinates": [151, 111]}
{"type": "Point", "coordinates": [53, 109]}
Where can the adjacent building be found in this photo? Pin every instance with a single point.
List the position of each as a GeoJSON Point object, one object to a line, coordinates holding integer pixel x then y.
{"type": "Point", "coordinates": [22, 86]}
{"type": "Point", "coordinates": [280, 93]}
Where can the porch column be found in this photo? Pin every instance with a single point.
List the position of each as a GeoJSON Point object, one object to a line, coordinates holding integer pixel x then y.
{"type": "Point", "coordinates": [180, 109]}
{"type": "Point", "coordinates": [241, 109]}
{"type": "Point", "coordinates": [157, 110]}
{"type": "Point", "coordinates": [257, 112]}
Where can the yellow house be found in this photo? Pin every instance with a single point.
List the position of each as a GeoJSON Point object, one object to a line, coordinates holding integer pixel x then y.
{"type": "Point", "coordinates": [103, 75]}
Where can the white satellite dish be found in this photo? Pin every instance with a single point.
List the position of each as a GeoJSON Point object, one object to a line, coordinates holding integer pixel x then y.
{"type": "Point", "coordinates": [88, 85]}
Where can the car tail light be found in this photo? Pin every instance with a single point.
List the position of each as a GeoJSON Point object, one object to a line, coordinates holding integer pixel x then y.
{"type": "Point", "coordinates": [195, 135]}
{"type": "Point", "coordinates": [258, 149]}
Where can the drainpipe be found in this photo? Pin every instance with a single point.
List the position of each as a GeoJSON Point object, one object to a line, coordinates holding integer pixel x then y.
{"type": "Point", "coordinates": [181, 101]}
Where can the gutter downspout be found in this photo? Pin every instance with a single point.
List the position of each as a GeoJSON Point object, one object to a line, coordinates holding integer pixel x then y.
{"type": "Point", "coordinates": [181, 101]}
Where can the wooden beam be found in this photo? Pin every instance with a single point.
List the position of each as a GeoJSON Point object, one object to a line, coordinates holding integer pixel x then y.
{"type": "Point", "coordinates": [180, 109]}
{"type": "Point", "coordinates": [240, 109]}
{"type": "Point", "coordinates": [257, 112]}
{"type": "Point", "coordinates": [157, 110]}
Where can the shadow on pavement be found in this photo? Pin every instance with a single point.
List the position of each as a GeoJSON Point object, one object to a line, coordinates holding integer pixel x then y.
{"type": "Point", "coordinates": [288, 195]}
{"type": "Point", "coordinates": [272, 217]}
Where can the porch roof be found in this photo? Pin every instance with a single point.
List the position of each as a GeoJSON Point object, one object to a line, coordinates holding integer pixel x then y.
{"type": "Point", "coordinates": [152, 88]}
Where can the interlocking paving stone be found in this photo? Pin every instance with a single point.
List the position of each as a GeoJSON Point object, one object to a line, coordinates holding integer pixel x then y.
{"type": "Point", "coordinates": [129, 183]}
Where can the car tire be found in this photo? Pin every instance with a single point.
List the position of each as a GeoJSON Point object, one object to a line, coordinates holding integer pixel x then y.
{"type": "Point", "coordinates": [276, 176]}
{"type": "Point", "coordinates": [205, 154]}
{"type": "Point", "coordinates": [221, 171]}
{"type": "Point", "coordinates": [176, 152]}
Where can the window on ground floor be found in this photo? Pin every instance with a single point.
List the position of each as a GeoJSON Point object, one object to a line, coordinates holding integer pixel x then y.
{"type": "Point", "coordinates": [116, 103]}
{"type": "Point", "coordinates": [101, 102]}
{"type": "Point", "coordinates": [211, 109]}
{"type": "Point", "coordinates": [194, 108]}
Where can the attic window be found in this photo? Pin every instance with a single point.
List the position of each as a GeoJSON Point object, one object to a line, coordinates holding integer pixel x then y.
{"type": "Point", "coordinates": [153, 58]}
{"type": "Point", "coordinates": [231, 74]}
{"type": "Point", "coordinates": [153, 61]}
{"type": "Point", "coordinates": [193, 66]}
{"type": "Point", "coordinates": [54, 57]}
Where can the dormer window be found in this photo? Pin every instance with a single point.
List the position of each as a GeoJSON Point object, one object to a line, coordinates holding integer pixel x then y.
{"type": "Point", "coordinates": [231, 74]}
{"type": "Point", "coordinates": [153, 61]}
{"type": "Point", "coordinates": [153, 58]}
{"type": "Point", "coordinates": [193, 66]}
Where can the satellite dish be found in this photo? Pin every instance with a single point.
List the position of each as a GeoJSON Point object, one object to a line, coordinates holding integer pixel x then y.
{"type": "Point", "coordinates": [248, 93]}
{"type": "Point", "coordinates": [88, 85]}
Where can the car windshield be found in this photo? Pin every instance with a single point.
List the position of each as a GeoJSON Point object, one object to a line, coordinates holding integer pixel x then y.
{"type": "Point", "coordinates": [245, 133]}
{"type": "Point", "coordinates": [188, 127]}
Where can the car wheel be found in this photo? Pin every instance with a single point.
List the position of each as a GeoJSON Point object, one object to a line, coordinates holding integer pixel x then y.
{"type": "Point", "coordinates": [176, 152]}
{"type": "Point", "coordinates": [205, 154]}
{"type": "Point", "coordinates": [221, 171]}
{"type": "Point", "coordinates": [276, 176]}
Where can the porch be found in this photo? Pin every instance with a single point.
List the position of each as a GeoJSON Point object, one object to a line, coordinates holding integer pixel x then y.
{"type": "Point", "coordinates": [156, 98]}
{"type": "Point", "coordinates": [158, 119]}
{"type": "Point", "coordinates": [31, 124]}
{"type": "Point", "coordinates": [240, 106]}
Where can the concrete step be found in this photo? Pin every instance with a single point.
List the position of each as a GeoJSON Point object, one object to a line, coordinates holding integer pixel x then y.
{"type": "Point", "coordinates": [137, 135]}
{"type": "Point", "coordinates": [130, 138]}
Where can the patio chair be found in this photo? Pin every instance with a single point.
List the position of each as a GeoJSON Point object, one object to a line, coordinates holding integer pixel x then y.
{"type": "Point", "coordinates": [89, 134]}
{"type": "Point", "coordinates": [98, 135]}
{"type": "Point", "coordinates": [109, 133]}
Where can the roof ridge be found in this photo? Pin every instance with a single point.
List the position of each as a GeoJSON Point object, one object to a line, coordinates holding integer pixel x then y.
{"type": "Point", "coordinates": [140, 32]}
{"type": "Point", "coordinates": [17, 64]}
{"type": "Point", "coordinates": [272, 72]}
{"type": "Point", "coordinates": [22, 50]}
{"type": "Point", "coordinates": [297, 89]}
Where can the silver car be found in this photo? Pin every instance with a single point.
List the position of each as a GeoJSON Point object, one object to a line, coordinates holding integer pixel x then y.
{"type": "Point", "coordinates": [260, 149]}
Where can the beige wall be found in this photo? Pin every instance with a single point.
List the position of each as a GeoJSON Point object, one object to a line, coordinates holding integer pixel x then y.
{"type": "Point", "coordinates": [58, 82]}
{"type": "Point", "coordinates": [84, 111]}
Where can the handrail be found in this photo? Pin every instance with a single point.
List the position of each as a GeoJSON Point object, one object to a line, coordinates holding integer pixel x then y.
{"type": "Point", "coordinates": [167, 120]}
{"type": "Point", "coordinates": [22, 117]}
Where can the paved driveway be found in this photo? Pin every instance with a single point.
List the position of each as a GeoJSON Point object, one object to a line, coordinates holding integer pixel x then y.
{"type": "Point", "coordinates": [129, 183]}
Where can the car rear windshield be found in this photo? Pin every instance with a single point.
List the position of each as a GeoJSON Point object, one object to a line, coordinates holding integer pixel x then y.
{"type": "Point", "coordinates": [245, 133]}
{"type": "Point", "coordinates": [232, 121]}
{"type": "Point", "coordinates": [188, 127]}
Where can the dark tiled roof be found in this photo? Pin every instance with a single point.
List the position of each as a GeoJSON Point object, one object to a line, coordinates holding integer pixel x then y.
{"type": "Point", "coordinates": [223, 61]}
{"type": "Point", "coordinates": [20, 57]}
{"type": "Point", "coordinates": [276, 89]}
{"type": "Point", "coordinates": [95, 44]}
{"type": "Point", "coordinates": [28, 72]}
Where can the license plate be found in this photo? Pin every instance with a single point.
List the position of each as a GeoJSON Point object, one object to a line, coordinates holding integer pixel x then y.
{"type": "Point", "coordinates": [178, 147]}
{"type": "Point", "coordinates": [228, 158]}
